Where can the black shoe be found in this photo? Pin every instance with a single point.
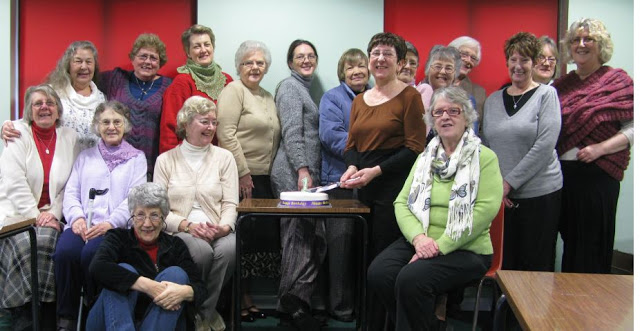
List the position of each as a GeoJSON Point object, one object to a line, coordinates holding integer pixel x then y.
{"type": "Point", "coordinates": [255, 312]}
{"type": "Point", "coordinates": [300, 312]}
{"type": "Point", "coordinates": [246, 316]}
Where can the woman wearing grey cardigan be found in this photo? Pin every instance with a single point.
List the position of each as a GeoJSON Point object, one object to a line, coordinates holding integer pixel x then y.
{"type": "Point", "coordinates": [298, 160]}
{"type": "Point", "coordinates": [521, 125]}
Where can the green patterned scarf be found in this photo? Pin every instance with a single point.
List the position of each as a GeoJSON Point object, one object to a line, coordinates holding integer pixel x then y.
{"type": "Point", "coordinates": [209, 80]}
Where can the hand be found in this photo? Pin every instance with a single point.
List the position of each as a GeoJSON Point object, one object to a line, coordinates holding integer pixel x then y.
{"type": "Point", "coordinates": [79, 227]}
{"type": "Point", "coordinates": [149, 286]}
{"type": "Point", "coordinates": [506, 188]}
{"type": "Point", "coordinates": [9, 132]}
{"type": "Point", "coordinates": [172, 296]}
{"type": "Point", "coordinates": [98, 230]}
{"type": "Point", "coordinates": [304, 173]}
{"type": "Point", "coordinates": [44, 218]}
{"type": "Point", "coordinates": [348, 174]}
{"type": "Point", "coordinates": [508, 203]}
{"type": "Point", "coordinates": [590, 153]}
{"type": "Point", "coordinates": [426, 247]}
{"type": "Point", "coordinates": [223, 230]}
{"type": "Point", "coordinates": [246, 186]}
{"type": "Point", "coordinates": [362, 177]}
{"type": "Point", "coordinates": [204, 231]}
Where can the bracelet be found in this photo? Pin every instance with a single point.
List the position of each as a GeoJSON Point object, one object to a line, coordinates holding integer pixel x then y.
{"type": "Point", "coordinates": [187, 228]}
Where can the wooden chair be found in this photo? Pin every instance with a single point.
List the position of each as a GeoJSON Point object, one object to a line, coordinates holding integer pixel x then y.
{"type": "Point", "coordinates": [497, 233]}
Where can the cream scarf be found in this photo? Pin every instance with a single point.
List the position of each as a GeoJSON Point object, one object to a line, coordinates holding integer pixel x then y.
{"type": "Point", "coordinates": [464, 167]}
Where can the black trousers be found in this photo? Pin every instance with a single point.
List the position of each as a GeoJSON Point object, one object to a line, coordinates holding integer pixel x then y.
{"type": "Point", "coordinates": [409, 291]}
{"type": "Point", "coordinates": [531, 232]}
{"type": "Point", "coordinates": [588, 221]}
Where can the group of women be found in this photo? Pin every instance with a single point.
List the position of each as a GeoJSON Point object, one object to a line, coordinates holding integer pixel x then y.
{"type": "Point", "coordinates": [78, 164]}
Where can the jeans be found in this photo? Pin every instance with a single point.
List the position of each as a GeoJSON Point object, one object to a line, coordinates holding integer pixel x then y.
{"type": "Point", "coordinates": [114, 310]}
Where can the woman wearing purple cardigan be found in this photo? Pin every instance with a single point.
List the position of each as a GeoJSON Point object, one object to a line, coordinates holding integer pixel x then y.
{"type": "Point", "coordinates": [141, 91]}
{"type": "Point", "coordinates": [112, 164]}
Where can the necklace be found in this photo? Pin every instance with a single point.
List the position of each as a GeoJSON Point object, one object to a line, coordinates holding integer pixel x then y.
{"type": "Point", "coordinates": [143, 92]}
{"type": "Point", "coordinates": [515, 103]}
{"type": "Point", "coordinates": [42, 142]}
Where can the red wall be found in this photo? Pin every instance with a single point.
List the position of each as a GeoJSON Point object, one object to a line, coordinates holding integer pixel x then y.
{"type": "Point", "coordinates": [48, 27]}
{"type": "Point", "coordinates": [427, 23]}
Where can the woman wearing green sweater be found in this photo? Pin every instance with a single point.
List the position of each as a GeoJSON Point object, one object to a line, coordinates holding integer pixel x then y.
{"type": "Point", "coordinates": [444, 211]}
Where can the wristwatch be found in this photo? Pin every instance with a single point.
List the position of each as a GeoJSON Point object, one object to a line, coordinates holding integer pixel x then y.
{"type": "Point", "coordinates": [187, 228]}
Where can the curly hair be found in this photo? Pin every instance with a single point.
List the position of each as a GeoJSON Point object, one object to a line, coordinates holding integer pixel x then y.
{"type": "Point", "coordinates": [149, 195]}
{"type": "Point", "coordinates": [455, 95]}
{"type": "Point", "coordinates": [27, 113]}
{"type": "Point", "coordinates": [60, 78]}
{"type": "Point", "coordinates": [149, 40]}
{"type": "Point", "coordinates": [195, 105]}
{"type": "Point", "coordinates": [525, 43]}
{"type": "Point", "coordinates": [117, 107]}
{"type": "Point", "coordinates": [251, 46]}
{"type": "Point", "coordinates": [596, 30]}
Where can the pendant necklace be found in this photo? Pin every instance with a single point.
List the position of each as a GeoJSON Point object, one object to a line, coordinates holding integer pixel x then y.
{"type": "Point", "coordinates": [515, 103]}
{"type": "Point", "coordinates": [143, 92]}
{"type": "Point", "coordinates": [46, 150]}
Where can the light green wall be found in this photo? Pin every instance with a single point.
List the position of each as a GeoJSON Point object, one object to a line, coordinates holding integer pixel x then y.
{"type": "Point", "coordinates": [617, 15]}
{"type": "Point", "coordinates": [5, 62]}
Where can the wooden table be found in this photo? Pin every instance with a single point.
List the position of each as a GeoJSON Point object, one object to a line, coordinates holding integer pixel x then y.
{"type": "Point", "coordinates": [567, 301]}
{"type": "Point", "coordinates": [15, 227]}
{"type": "Point", "coordinates": [262, 208]}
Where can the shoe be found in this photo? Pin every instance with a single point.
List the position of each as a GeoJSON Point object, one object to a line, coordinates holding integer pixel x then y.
{"type": "Point", "coordinates": [300, 312]}
{"type": "Point", "coordinates": [246, 316]}
{"type": "Point", "coordinates": [255, 312]}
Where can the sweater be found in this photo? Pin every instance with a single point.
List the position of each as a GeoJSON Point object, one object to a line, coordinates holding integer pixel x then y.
{"type": "Point", "coordinates": [479, 94]}
{"type": "Point", "coordinates": [90, 171]}
{"type": "Point", "coordinates": [121, 246]}
{"type": "Point", "coordinates": [248, 127]}
{"type": "Point", "coordinates": [214, 186]}
{"type": "Point", "coordinates": [22, 175]}
{"type": "Point", "coordinates": [145, 114]}
{"type": "Point", "coordinates": [77, 113]}
{"type": "Point", "coordinates": [182, 87]}
{"type": "Point", "coordinates": [300, 146]}
{"type": "Point", "coordinates": [525, 142]}
{"type": "Point", "coordinates": [484, 211]}
{"type": "Point", "coordinates": [335, 113]}
{"type": "Point", "coordinates": [390, 135]}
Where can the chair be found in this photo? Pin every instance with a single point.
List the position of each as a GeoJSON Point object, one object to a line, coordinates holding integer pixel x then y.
{"type": "Point", "coordinates": [497, 233]}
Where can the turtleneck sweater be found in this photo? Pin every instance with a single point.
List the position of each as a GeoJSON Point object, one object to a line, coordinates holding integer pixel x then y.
{"type": "Point", "coordinates": [194, 155]}
{"type": "Point", "coordinates": [45, 140]}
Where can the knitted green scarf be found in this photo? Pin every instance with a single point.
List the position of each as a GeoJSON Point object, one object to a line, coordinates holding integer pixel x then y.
{"type": "Point", "coordinates": [209, 80]}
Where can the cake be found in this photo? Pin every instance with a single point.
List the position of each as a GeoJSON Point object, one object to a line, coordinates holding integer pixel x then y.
{"type": "Point", "coordinates": [300, 199]}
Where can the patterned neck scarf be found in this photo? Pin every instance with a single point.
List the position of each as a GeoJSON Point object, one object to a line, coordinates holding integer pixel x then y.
{"type": "Point", "coordinates": [464, 167]}
{"type": "Point", "coordinates": [209, 80]}
{"type": "Point", "coordinates": [116, 155]}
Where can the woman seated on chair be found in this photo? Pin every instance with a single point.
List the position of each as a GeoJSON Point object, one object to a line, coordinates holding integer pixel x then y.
{"type": "Point", "coordinates": [112, 164]}
{"type": "Point", "coordinates": [148, 276]}
{"type": "Point", "coordinates": [444, 211]}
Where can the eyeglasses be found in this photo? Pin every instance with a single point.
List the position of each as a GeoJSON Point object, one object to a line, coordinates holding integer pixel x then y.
{"type": "Point", "coordinates": [116, 123]}
{"type": "Point", "coordinates": [140, 218]}
{"type": "Point", "coordinates": [385, 55]}
{"type": "Point", "coordinates": [551, 59]}
{"type": "Point", "coordinates": [584, 40]}
{"type": "Point", "coordinates": [438, 68]}
{"type": "Point", "coordinates": [144, 57]}
{"type": "Point", "coordinates": [302, 57]}
{"type": "Point", "coordinates": [250, 64]}
{"type": "Point", "coordinates": [208, 122]}
{"type": "Point", "coordinates": [450, 111]}
{"type": "Point", "coordinates": [473, 58]}
{"type": "Point", "coordinates": [412, 64]}
{"type": "Point", "coordinates": [39, 104]}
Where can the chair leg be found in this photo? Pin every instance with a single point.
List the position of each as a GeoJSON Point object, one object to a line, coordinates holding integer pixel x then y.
{"type": "Point", "coordinates": [477, 305]}
{"type": "Point", "coordinates": [500, 315]}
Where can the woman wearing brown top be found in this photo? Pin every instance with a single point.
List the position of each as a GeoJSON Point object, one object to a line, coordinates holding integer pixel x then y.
{"type": "Point", "coordinates": [386, 135]}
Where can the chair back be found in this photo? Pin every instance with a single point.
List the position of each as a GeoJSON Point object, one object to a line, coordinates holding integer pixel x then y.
{"type": "Point", "coordinates": [497, 237]}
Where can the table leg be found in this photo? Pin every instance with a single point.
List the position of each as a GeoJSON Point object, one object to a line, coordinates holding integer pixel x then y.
{"type": "Point", "coordinates": [35, 296]}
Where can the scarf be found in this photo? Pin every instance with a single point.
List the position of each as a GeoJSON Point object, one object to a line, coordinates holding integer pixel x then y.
{"type": "Point", "coordinates": [592, 110]}
{"type": "Point", "coordinates": [116, 155]}
{"type": "Point", "coordinates": [464, 167]}
{"type": "Point", "coordinates": [209, 80]}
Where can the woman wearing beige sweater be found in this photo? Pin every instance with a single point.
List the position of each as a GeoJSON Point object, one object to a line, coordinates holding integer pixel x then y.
{"type": "Point", "coordinates": [202, 183]}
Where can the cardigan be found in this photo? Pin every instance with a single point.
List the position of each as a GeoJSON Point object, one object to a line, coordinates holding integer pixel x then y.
{"type": "Point", "coordinates": [122, 246]}
{"type": "Point", "coordinates": [479, 94]}
{"type": "Point", "coordinates": [90, 171]}
{"type": "Point", "coordinates": [485, 209]}
{"type": "Point", "coordinates": [525, 142]}
{"type": "Point", "coordinates": [22, 175]}
{"type": "Point", "coordinates": [300, 145]}
{"type": "Point", "coordinates": [214, 186]}
{"type": "Point", "coordinates": [78, 111]}
{"type": "Point", "coordinates": [335, 113]}
{"type": "Point", "coordinates": [144, 114]}
{"type": "Point", "coordinates": [248, 127]}
{"type": "Point", "coordinates": [182, 87]}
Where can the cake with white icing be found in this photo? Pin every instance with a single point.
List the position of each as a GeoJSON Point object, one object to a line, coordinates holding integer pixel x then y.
{"type": "Point", "coordinates": [302, 199]}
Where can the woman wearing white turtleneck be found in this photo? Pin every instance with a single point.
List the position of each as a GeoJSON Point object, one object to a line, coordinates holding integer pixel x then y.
{"type": "Point", "coordinates": [202, 183]}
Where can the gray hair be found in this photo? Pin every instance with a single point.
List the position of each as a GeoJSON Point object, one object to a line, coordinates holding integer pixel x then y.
{"type": "Point", "coordinates": [59, 78]}
{"type": "Point", "coordinates": [117, 107]}
{"type": "Point", "coordinates": [547, 41]}
{"type": "Point", "coordinates": [195, 105]}
{"type": "Point", "coordinates": [251, 46]}
{"type": "Point", "coordinates": [444, 53]}
{"type": "Point", "coordinates": [149, 195]}
{"type": "Point", "coordinates": [597, 31]}
{"type": "Point", "coordinates": [454, 95]}
{"type": "Point", "coordinates": [412, 49]}
{"type": "Point", "coordinates": [468, 42]}
{"type": "Point", "coordinates": [27, 113]}
{"type": "Point", "coordinates": [149, 40]}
